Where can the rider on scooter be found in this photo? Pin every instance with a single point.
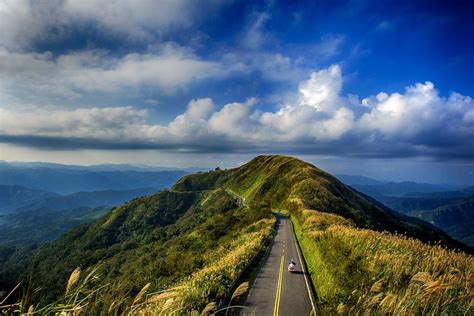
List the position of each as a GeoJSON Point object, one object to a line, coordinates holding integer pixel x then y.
{"type": "Point", "coordinates": [292, 265]}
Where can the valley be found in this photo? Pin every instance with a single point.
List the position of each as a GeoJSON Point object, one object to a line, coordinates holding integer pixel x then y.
{"type": "Point", "coordinates": [449, 208]}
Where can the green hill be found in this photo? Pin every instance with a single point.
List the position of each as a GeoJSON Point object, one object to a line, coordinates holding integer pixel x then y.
{"type": "Point", "coordinates": [203, 232]}
{"type": "Point", "coordinates": [164, 239]}
{"type": "Point", "coordinates": [289, 183]}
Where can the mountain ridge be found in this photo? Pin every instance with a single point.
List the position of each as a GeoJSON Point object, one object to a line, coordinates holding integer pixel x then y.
{"type": "Point", "coordinates": [313, 189]}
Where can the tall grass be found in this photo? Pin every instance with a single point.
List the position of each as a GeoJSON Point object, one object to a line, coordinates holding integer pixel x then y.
{"type": "Point", "coordinates": [368, 272]}
{"type": "Point", "coordinates": [213, 281]}
{"type": "Point", "coordinates": [198, 294]}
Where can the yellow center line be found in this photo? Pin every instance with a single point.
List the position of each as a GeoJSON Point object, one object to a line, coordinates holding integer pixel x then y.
{"type": "Point", "coordinates": [278, 291]}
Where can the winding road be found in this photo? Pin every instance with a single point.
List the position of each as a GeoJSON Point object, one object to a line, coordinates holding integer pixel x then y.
{"type": "Point", "coordinates": [275, 290]}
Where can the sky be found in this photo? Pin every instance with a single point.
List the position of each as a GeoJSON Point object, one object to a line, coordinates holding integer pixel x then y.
{"type": "Point", "coordinates": [377, 88]}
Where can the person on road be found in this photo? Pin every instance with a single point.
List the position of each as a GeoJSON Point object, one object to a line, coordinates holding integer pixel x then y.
{"type": "Point", "coordinates": [292, 265]}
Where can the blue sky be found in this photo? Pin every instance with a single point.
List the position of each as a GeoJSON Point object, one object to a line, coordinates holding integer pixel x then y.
{"type": "Point", "coordinates": [386, 85]}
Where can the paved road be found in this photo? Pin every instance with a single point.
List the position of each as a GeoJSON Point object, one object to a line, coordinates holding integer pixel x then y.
{"type": "Point", "coordinates": [275, 290]}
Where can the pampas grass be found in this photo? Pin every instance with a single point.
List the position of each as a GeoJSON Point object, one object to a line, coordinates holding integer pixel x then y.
{"type": "Point", "coordinates": [400, 275]}
{"type": "Point", "coordinates": [73, 278]}
{"type": "Point", "coordinates": [239, 291]}
{"type": "Point", "coordinates": [84, 295]}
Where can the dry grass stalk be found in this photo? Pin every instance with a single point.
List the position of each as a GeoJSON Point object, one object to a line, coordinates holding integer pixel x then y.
{"type": "Point", "coordinates": [377, 286]}
{"type": "Point", "coordinates": [341, 309]}
{"type": "Point", "coordinates": [389, 302]}
{"type": "Point", "coordinates": [376, 299]}
{"type": "Point", "coordinates": [141, 294]}
{"type": "Point", "coordinates": [209, 308]}
{"type": "Point", "coordinates": [73, 278]}
{"type": "Point", "coordinates": [421, 277]}
{"type": "Point", "coordinates": [9, 294]}
{"type": "Point", "coordinates": [171, 302]}
{"type": "Point", "coordinates": [241, 290]}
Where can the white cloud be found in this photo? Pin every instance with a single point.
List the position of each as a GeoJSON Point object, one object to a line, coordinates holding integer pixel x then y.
{"type": "Point", "coordinates": [137, 18]}
{"type": "Point", "coordinates": [320, 120]}
{"type": "Point", "coordinates": [170, 68]}
{"type": "Point", "coordinates": [106, 123]}
{"type": "Point", "coordinates": [234, 120]}
{"type": "Point", "coordinates": [420, 109]}
{"type": "Point", "coordinates": [25, 22]}
{"type": "Point", "coordinates": [323, 89]}
{"type": "Point", "coordinates": [192, 122]}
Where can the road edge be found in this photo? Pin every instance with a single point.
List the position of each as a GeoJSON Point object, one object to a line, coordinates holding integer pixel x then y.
{"type": "Point", "coordinates": [265, 258]}
{"type": "Point", "coordinates": [309, 283]}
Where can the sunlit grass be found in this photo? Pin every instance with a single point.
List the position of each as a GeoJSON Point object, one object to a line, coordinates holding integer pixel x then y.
{"type": "Point", "coordinates": [369, 272]}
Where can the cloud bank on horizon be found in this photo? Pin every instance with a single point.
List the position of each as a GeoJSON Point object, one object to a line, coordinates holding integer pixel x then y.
{"type": "Point", "coordinates": [319, 120]}
{"type": "Point", "coordinates": [163, 75]}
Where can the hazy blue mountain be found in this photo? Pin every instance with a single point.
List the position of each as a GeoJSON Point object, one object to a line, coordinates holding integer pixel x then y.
{"type": "Point", "coordinates": [66, 181]}
{"type": "Point", "coordinates": [421, 201]}
{"type": "Point", "coordinates": [99, 167]}
{"type": "Point", "coordinates": [452, 211]}
{"type": "Point", "coordinates": [460, 193]}
{"type": "Point", "coordinates": [14, 196]}
{"type": "Point", "coordinates": [409, 204]}
{"type": "Point", "coordinates": [401, 188]}
{"type": "Point", "coordinates": [455, 217]}
{"type": "Point", "coordinates": [89, 199]}
{"type": "Point", "coordinates": [457, 220]}
{"type": "Point", "coordinates": [360, 180]}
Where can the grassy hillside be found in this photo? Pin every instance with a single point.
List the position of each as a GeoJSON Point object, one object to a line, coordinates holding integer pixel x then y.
{"type": "Point", "coordinates": [48, 218]}
{"type": "Point", "coordinates": [363, 271]}
{"type": "Point", "coordinates": [362, 256]}
{"type": "Point", "coordinates": [287, 183]}
{"type": "Point", "coordinates": [192, 241]}
{"type": "Point", "coordinates": [167, 239]}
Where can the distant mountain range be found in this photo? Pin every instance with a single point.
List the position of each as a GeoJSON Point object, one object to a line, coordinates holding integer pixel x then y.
{"type": "Point", "coordinates": [40, 201]}
{"type": "Point", "coordinates": [449, 207]}
{"type": "Point", "coordinates": [99, 167]}
{"type": "Point", "coordinates": [452, 211]}
{"type": "Point", "coordinates": [357, 179]}
{"type": "Point", "coordinates": [63, 179]}
{"type": "Point", "coordinates": [389, 188]}
{"type": "Point", "coordinates": [15, 196]}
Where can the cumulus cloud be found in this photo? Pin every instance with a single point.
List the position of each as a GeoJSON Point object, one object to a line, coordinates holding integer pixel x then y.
{"type": "Point", "coordinates": [319, 120]}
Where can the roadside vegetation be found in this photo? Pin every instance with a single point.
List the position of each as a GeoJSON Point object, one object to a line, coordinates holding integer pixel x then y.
{"type": "Point", "coordinates": [361, 271]}
{"type": "Point", "coordinates": [189, 246]}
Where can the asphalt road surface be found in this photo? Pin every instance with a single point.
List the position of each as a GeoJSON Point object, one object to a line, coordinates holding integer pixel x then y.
{"type": "Point", "coordinates": [276, 291]}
